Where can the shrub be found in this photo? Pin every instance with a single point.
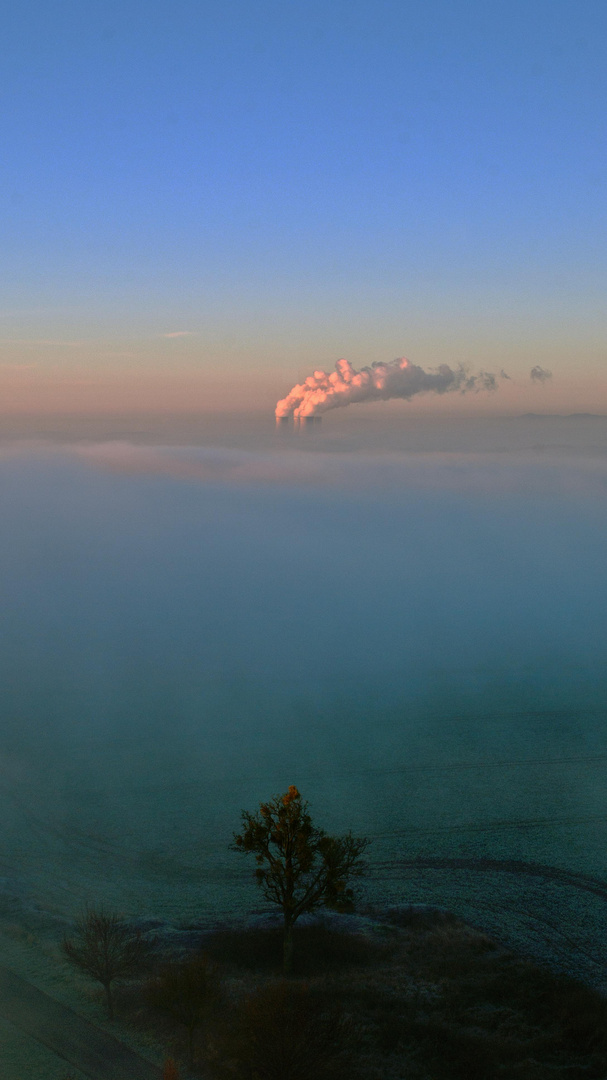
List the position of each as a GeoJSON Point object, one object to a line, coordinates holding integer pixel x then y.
{"type": "Point", "coordinates": [286, 1032]}
{"type": "Point", "coordinates": [185, 991]}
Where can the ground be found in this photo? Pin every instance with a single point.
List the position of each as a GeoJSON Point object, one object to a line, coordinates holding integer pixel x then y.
{"type": "Point", "coordinates": [409, 993]}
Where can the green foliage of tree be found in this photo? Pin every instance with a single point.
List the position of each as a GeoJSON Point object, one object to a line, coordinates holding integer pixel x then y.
{"type": "Point", "coordinates": [299, 867]}
{"type": "Point", "coordinates": [185, 991]}
{"type": "Point", "coordinates": [106, 948]}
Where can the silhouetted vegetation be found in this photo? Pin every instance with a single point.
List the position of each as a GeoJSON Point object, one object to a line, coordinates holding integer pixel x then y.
{"type": "Point", "coordinates": [286, 1031]}
{"type": "Point", "coordinates": [299, 867]}
{"type": "Point", "coordinates": [410, 993]}
{"type": "Point", "coordinates": [106, 948]}
{"type": "Point", "coordinates": [415, 994]}
{"type": "Point", "coordinates": [185, 991]}
{"type": "Point", "coordinates": [321, 949]}
{"type": "Point", "coordinates": [469, 1010]}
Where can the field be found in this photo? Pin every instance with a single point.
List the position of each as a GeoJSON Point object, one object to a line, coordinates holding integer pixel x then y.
{"type": "Point", "coordinates": [413, 634]}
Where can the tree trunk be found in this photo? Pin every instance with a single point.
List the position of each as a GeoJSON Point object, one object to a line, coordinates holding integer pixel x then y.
{"type": "Point", "coordinates": [191, 1047]}
{"type": "Point", "coordinates": [109, 1000]}
{"type": "Point", "coordinates": [287, 948]}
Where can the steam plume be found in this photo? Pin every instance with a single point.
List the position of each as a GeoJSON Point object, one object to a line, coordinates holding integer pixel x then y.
{"type": "Point", "coordinates": [539, 374]}
{"type": "Point", "coordinates": [380, 382]}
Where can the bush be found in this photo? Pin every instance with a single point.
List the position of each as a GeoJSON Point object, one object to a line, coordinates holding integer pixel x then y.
{"type": "Point", "coordinates": [286, 1032]}
{"type": "Point", "coordinates": [185, 992]}
{"type": "Point", "coordinates": [320, 948]}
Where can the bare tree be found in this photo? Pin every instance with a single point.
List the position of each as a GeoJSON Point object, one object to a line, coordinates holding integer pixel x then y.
{"type": "Point", "coordinates": [299, 867]}
{"type": "Point", "coordinates": [185, 991]}
{"type": "Point", "coordinates": [106, 948]}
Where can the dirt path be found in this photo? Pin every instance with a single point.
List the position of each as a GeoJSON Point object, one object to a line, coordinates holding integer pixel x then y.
{"type": "Point", "coordinates": [81, 1045]}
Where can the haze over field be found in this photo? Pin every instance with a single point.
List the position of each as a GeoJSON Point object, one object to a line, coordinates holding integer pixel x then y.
{"type": "Point", "coordinates": [409, 620]}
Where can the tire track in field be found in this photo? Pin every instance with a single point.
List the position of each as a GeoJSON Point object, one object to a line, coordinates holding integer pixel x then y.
{"type": "Point", "coordinates": [558, 937]}
{"type": "Point", "coordinates": [482, 864]}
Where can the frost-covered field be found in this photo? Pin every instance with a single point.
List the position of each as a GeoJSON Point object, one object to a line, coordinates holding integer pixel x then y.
{"type": "Point", "coordinates": [410, 626]}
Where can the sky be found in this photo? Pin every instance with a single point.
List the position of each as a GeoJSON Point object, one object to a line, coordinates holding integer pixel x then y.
{"type": "Point", "coordinates": [202, 203]}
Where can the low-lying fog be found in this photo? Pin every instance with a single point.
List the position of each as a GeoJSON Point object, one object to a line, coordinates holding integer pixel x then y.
{"type": "Point", "coordinates": [405, 618]}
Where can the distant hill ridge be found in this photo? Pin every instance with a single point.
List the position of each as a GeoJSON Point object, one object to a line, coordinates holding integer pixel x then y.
{"type": "Point", "coordinates": [563, 416]}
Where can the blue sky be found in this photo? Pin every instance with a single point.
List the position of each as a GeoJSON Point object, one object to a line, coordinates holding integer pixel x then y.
{"type": "Point", "coordinates": [294, 182]}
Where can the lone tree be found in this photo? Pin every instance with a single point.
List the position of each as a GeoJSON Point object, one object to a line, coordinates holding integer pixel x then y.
{"type": "Point", "coordinates": [299, 867]}
{"type": "Point", "coordinates": [105, 948]}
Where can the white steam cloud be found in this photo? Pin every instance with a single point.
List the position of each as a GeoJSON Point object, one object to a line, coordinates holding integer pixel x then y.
{"type": "Point", "coordinates": [321, 392]}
